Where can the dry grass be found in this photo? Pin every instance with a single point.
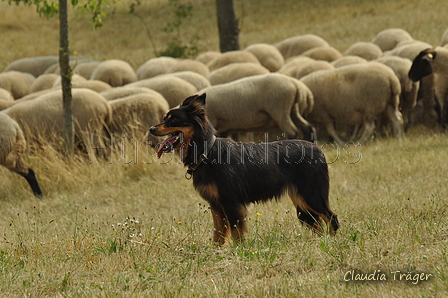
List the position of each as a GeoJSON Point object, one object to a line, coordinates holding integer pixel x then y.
{"type": "Point", "coordinates": [392, 204]}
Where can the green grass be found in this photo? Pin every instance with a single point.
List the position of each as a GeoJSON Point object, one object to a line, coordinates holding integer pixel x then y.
{"type": "Point", "coordinates": [392, 203]}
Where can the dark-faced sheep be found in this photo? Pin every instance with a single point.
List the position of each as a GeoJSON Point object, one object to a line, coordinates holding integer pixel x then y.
{"type": "Point", "coordinates": [260, 103]}
{"type": "Point", "coordinates": [434, 62]}
{"type": "Point", "coordinates": [12, 146]}
{"type": "Point", "coordinates": [355, 95]}
{"type": "Point", "coordinates": [41, 118]}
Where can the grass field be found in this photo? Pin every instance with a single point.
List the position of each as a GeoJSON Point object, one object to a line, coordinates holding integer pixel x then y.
{"type": "Point", "coordinates": [123, 228]}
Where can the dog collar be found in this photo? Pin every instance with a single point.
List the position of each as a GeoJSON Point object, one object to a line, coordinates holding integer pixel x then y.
{"type": "Point", "coordinates": [201, 158]}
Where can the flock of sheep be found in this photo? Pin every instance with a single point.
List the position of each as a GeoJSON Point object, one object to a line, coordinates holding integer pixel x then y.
{"type": "Point", "coordinates": [296, 86]}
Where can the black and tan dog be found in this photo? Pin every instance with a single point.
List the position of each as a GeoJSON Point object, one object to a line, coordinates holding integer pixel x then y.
{"type": "Point", "coordinates": [230, 175]}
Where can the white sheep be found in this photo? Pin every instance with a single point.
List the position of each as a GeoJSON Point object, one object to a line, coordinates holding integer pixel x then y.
{"type": "Point", "coordinates": [444, 39]}
{"type": "Point", "coordinates": [85, 69]}
{"type": "Point", "coordinates": [43, 82]}
{"type": "Point", "coordinates": [207, 56]}
{"type": "Point", "coordinates": [409, 89]}
{"type": "Point", "coordinates": [134, 114]}
{"type": "Point", "coordinates": [33, 65]}
{"type": "Point", "coordinates": [16, 82]}
{"type": "Point", "coordinates": [325, 53]}
{"type": "Point", "coordinates": [312, 66]}
{"type": "Point", "coordinates": [194, 78]}
{"type": "Point", "coordinates": [12, 147]}
{"type": "Point", "coordinates": [79, 81]}
{"type": "Point", "coordinates": [115, 72]}
{"type": "Point", "coordinates": [189, 65]}
{"type": "Point", "coordinates": [124, 91]}
{"type": "Point", "coordinates": [355, 95]}
{"type": "Point", "coordinates": [232, 57]}
{"type": "Point", "coordinates": [6, 95]}
{"type": "Point", "coordinates": [434, 62]}
{"type": "Point", "coordinates": [268, 55]}
{"type": "Point", "coordinates": [294, 63]}
{"type": "Point", "coordinates": [154, 67]}
{"type": "Point", "coordinates": [260, 103]}
{"type": "Point", "coordinates": [296, 45]}
{"type": "Point", "coordinates": [364, 49]}
{"type": "Point", "coordinates": [173, 89]}
{"type": "Point", "coordinates": [235, 71]}
{"type": "Point", "coordinates": [41, 118]}
{"type": "Point", "coordinates": [388, 39]}
{"type": "Point", "coordinates": [347, 60]}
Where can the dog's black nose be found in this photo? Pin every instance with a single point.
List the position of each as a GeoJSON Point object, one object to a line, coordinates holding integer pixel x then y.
{"type": "Point", "coordinates": [152, 129]}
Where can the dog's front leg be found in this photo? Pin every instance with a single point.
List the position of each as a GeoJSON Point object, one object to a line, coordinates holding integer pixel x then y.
{"type": "Point", "coordinates": [220, 223]}
{"type": "Point", "coordinates": [237, 216]}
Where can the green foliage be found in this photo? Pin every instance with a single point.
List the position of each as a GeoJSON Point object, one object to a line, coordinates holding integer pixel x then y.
{"type": "Point", "coordinates": [48, 8]}
{"type": "Point", "coordinates": [177, 48]}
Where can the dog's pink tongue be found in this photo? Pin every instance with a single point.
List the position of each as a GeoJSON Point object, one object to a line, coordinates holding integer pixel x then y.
{"type": "Point", "coordinates": [165, 145]}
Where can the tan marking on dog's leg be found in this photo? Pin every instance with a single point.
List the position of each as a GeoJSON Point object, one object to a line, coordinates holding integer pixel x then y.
{"type": "Point", "coordinates": [209, 192]}
{"type": "Point", "coordinates": [240, 228]}
{"type": "Point", "coordinates": [221, 225]}
{"type": "Point", "coordinates": [299, 202]}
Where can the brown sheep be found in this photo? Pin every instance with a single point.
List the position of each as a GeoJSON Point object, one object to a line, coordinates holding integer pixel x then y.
{"type": "Point", "coordinates": [355, 95]}
{"type": "Point", "coordinates": [12, 146]}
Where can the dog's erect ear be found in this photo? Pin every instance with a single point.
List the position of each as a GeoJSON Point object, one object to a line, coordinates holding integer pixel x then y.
{"type": "Point", "coordinates": [196, 102]}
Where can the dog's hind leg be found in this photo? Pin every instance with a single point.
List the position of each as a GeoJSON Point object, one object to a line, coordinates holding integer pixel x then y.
{"type": "Point", "coordinates": [220, 223]}
{"type": "Point", "coordinates": [237, 216]}
{"type": "Point", "coordinates": [312, 212]}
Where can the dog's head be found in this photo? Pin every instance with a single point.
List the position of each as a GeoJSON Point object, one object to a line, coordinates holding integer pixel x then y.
{"type": "Point", "coordinates": [180, 124]}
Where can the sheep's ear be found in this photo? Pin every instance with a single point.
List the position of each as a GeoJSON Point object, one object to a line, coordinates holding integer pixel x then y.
{"type": "Point", "coordinates": [194, 100]}
{"type": "Point", "coordinates": [422, 65]}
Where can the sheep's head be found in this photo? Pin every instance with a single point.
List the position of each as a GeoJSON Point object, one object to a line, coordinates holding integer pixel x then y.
{"type": "Point", "coordinates": [422, 65]}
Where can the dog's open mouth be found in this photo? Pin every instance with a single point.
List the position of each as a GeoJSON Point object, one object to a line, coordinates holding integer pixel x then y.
{"type": "Point", "coordinates": [170, 143]}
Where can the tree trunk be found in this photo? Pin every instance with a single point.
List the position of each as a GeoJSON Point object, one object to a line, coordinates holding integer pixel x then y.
{"type": "Point", "coordinates": [227, 26]}
{"type": "Point", "coordinates": [66, 78]}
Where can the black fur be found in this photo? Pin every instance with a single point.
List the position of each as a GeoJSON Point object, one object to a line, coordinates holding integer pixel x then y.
{"type": "Point", "coordinates": [236, 174]}
{"type": "Point", "coordinates": [32, 181]}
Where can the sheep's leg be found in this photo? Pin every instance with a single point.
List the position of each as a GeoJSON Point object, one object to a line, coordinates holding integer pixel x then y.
{"type": "Point", "coordinates": [369, 128]}
{"type": "Point", "coordinates": [330, 129]}
{"type": "Point", "coordinates": [309, 132]}
{"type": "Point", "coordinates": [32, 181]}
{"type": "Point", "coordinates": [396, 119]}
